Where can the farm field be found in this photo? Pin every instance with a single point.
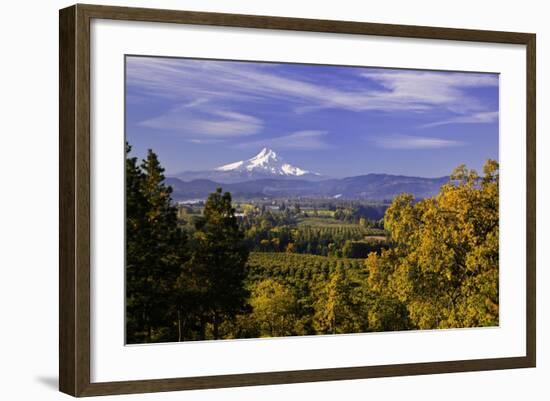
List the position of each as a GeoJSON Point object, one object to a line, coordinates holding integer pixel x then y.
{"type": "Point", "coordinates": [296, 231]}
{"type": "Point", "coordinates": [278, 264]}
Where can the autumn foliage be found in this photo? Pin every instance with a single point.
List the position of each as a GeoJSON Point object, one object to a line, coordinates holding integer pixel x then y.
{"type": "Point", "coordinates": [443, 262]}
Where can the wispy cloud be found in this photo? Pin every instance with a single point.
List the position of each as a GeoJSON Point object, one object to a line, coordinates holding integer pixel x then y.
{"type": "Point", "coordinates": [432, 88]}
{"type": "Point", "coordinates": [413, 142]}
{"type": "Point", "coordinates": [476, 118]}
{"type": "Point", "coordinates": [222, 82]}
{"type": "Point", "coordinates": [190, 121]}
{"type": "Point", "coordinates": [303, 140]}
{"type": "Point", "coordinates": [205, 141]}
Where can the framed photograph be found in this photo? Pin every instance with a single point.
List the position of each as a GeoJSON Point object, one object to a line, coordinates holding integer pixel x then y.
{"type": "Point", "coordinates": [250, 200]}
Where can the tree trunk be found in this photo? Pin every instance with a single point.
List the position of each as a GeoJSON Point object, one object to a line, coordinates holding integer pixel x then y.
{"type": "Point", "coordinates": [215, 328]}
{"type": "Point", "coordinates": [179, 325]}
{"type": "Point", "coordinates": [202, 332]}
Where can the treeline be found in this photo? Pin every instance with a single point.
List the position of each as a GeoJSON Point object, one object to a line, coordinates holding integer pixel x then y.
{"type": "Point", "coordinates": [371, 215]}
{"type": "Point", "coordinates": [439, 267]}
{"type": "Point", "coordinates": [278, 232]}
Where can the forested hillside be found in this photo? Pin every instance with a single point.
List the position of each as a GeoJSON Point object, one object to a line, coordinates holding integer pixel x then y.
{"type": "Point", "coordinates": [221, 268]}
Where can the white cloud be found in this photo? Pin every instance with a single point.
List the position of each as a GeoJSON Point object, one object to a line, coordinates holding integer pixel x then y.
{"type": "Point", "coordinates": [303, 140]}
{"type": "Point", "coordinates": [432, 88]}
{"type": "Point", "coordinates": [414, 142]}
{"type": "Point", "coordinates": [476, 118]}
{"type": "Point", "coordinates": [204, 141]}
{"type": "Point", "coordinates": [229, 82]}
{"type": "Point", "coordinates": [194, 103]}
{"type": "Point", "coordinates": [190, 121]}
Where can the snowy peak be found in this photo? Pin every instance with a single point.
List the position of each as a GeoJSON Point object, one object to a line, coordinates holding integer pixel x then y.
{"type": "Point", "coordinates": [267, 162]}
{"type": "Point", "coordinates": [266, 153]}
{"type": "Point", "coordinates": [263, 159]}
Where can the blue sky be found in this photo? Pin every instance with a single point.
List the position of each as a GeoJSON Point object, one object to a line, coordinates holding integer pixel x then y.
{"type": "Point", "coordinates": [335, 120]}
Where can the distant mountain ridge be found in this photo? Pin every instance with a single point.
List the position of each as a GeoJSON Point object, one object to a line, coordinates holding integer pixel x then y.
{"type": "Point", "coordinates": [364, 187]}
{"type": "Point", "coordinates": [268, 175]}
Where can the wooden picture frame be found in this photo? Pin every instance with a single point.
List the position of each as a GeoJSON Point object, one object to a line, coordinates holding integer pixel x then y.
{"type": "Point", "coordinates": [74, 204]}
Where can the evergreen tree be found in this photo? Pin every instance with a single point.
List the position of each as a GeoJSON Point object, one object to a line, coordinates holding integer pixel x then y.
{"type": "Point", "coordinates": [218, 263]}
{"type": "Point", "coordinates": [155, 251]}
{"type": "Point", "coordinates": [136, 280]}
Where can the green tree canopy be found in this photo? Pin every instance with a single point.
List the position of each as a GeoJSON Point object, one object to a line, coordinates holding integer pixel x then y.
{"type": "Point", "coordinates": [218, 262]}
{"type": "Point", "coordinates": [155, 250]}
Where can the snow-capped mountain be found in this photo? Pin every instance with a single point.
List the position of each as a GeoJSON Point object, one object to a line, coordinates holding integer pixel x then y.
{"type": "Point", "coordinates": [266, 164]}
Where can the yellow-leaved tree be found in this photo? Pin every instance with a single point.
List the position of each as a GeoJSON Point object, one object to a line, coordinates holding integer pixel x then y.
{"type": "Point", "coordinates": [273, 305]}
{"type": "Point", "coordinates": [341, 304]}
{"type": "Point", "coordinates": [443, 263]}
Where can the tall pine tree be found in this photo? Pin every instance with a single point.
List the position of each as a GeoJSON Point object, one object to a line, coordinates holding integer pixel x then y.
{"type": "Point", "coordinates": [218, 261]}
{"type": "Point", "coordinates": [155, 252]}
